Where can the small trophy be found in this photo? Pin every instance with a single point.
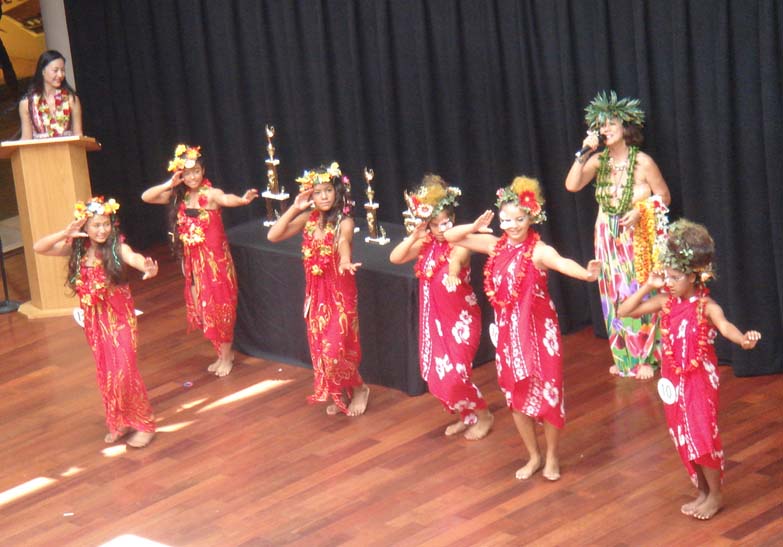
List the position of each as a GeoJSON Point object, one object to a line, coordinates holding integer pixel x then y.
{"type": "Point", "coordinates": [274, 195]}
{"type": "Point", "coordinates": [377, 233]}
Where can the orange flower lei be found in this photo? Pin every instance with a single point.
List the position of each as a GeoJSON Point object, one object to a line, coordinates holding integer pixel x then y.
{"type": "Point", "coordinates": [193, 230]}
{"type": "Point", "coordinates": [490, 289]}
{"type": "Point", "coordinates": [702, 333]}
{"type": "Point", "coordinates": [58, 123]}
{"type": "Point", "coordinates": [420, 268]}
{"type": "Point", "coordinates": [317, 262]}
{"type": "Point", "coordinates": [649, 236]}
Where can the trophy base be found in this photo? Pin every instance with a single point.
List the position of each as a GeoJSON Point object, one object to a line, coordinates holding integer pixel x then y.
{"type": "Point", "coordinates": [383, 240]}
{"type": "Point", "coordinates": [279, 196]}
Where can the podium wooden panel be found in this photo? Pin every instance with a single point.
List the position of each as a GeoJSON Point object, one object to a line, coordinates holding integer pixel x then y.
{"type": "Point", "coordinates": [50, 175]}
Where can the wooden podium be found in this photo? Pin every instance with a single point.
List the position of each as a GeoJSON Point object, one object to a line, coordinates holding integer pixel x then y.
{"type": "Point", "coordinates": [50, 175]}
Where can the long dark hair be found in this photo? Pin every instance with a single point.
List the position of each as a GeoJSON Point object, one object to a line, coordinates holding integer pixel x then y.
{"type": "Point", "coordinates": [110, 253]}
{"type": "Point", "coordinates": [172, 210]}
{"type": "Point", "coordinates": [37, 82]}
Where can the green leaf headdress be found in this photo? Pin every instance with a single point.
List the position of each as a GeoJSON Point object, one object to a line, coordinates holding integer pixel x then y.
{"type": "Point", "coordinates": [605, 107]}
{"type": "Point", "coordinates": [431, 197]}
{"type": "Point", "coordinates": [689, 249]}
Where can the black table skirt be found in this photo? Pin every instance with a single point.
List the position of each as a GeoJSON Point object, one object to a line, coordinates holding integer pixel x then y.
{"type": "Point", "coordinates": [270, 324]}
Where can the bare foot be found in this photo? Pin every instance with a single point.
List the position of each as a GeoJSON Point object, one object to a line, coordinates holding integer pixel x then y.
{"type": "Point", "coordinates": [689, 508]}
{"type": "Point", "coordinates": [644, 372]}
{"type": "Point", "coordinates": [533, 465]}
{"type": "Point", "coordinates": [551, 469]}
{"type": "Point", "coordinates": [359, 401]}
{"type": "Point", "coordinates": [613, 370]}
{"type": "Point", "coordinates": [457, 427]}
{"type": "Point", "coordinates": [708, 507]}
{"type": "Point", "coordinates": [140, 439]}
{"type": "Point", "coordinates": [213, 367]}
{"type": "Point", "coordinates": [112, 438]}
{"type": "Point", "coordinates": [223, 368]}
{"type": "Point", "coordinates": [480, 429]}
{"type": "Point", "coordinates": [332, 410]}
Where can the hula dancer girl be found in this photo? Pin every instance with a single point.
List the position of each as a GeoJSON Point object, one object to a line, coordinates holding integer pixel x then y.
{"type": "Point", "coordinates": [632, 198]}
{"type": "Point", "coordinates": [199, 241]}
{"type": "Point", "coordinates": [330, 308]}
{"type": "Point", "coordinates": [97, 274]}
{"type": "Point", "coordinates": [449, 315]}
{"type": "Point", "coordinates": [689, 374]}
{"type": "Point", "coordinates": [528, 359]}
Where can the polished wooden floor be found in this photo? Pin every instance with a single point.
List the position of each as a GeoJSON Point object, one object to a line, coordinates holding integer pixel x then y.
{"type": "Point", "coordinates": [243, 461]}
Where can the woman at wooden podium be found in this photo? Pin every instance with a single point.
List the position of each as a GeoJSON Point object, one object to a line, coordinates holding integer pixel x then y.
{"type": "Point", "coordinates": [51, 107]}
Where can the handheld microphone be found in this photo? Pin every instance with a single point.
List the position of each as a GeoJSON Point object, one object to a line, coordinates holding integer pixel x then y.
{"type": "Point", "coordinates": [586, 149]}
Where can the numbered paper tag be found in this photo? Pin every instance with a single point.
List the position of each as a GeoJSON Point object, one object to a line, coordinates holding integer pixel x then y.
{"type": "Point", "coordinates": [666, 391]}
{"type": "Point", "coordinates": [493, 334]}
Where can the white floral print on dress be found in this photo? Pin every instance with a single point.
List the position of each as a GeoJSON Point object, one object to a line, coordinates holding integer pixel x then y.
{"type": "Point", "coordinates": [443, 366]}
{"type": "Point", "coordinates": [550, 338]}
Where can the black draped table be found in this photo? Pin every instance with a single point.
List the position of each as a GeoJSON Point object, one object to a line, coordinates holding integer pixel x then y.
{"type": "Point", "coordinates": [270, 323]}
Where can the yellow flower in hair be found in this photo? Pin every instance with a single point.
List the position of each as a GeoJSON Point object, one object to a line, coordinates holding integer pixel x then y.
{"type": "Point", "coordinates": [111, 207]}
{"type": "Point", "coordinates": [79, 210]}
{"type": "Point", "coordinates": [181, 149]}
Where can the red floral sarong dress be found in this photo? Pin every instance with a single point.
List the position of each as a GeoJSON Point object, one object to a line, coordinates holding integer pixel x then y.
{"type": "Point", "coordinates": [528, 359]}
{"type": "Point", "coordinates": [110, 328]}
{"type": "Point", "coordinates": [331, 315]}
{"type": "Point", "coordinates": [210, 278]}
{"type": "Point", "coordinates": [690, 364]}
{"type": "Point", "coordinates": [449, 332]}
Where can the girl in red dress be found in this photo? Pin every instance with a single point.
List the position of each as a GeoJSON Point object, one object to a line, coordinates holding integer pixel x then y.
{"type": "Point", "coordinates": [199, 240]}
{"type": "Point", "coordinates": [528, 358]}
{"type": "Point", "coordinates": [330, 307]}
{"type": "Point", "coordinates": [97, 274]}
{"type": "Point", "coordinates": [449, 315]}
{"type": "Point", "coordinates": [689, 375]}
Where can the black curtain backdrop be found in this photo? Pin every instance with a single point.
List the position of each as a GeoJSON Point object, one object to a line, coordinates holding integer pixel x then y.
{"type": "Point", "coordinates": [477, 91]}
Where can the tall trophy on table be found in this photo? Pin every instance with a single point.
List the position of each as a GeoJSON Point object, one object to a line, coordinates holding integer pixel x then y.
{"type": "Point", "coordinates": [274, 195]}
{"type": "Point", "coordinates": [377, 233]}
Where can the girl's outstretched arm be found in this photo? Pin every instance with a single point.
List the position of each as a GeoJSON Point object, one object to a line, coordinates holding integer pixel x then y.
{"type": "Point", "coordinates": [293, 220]}
{"type": "Point", "coordinates": [160, 194]}
{"type": "Point", "coordinates": [135, 260]}
{"type": "Point", "coordinates": [465, 235]}
{"type": "Point", "coordinates": [634, 306]}
{"type": "Point", "coordinates": [547, 256]}
{"type": "Point", "coordinates": [232, 200]}
{"type": "Point", "coordinates": [747, 340]}
{"type": "Point", "coordinates": [59, 243]}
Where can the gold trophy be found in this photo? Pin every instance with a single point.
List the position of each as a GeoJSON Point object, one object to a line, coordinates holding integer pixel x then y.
{"type": "Point", "coordinates": [377, 233]}
{"type": "Point", "coordinates": [274, 195]}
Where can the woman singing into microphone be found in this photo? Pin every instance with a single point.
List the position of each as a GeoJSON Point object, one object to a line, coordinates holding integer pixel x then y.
{"type": "Point", "coordinates": [633, 199]}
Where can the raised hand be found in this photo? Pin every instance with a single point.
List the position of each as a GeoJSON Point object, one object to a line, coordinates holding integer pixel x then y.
{"type": "Point", "coordinates": [249, 196]}
{"type": "Point", "coordinates": [349, 267]}
{"type": "Point", "coordinates": [74, 229]}
{"type": "Point", "coordinates": [150, 268]}
{"type": "Point", "coordinates": [302, 201]}
{"type": "Point", "coordinates": [177, 179]}
{"type": "Point", "coordinates": [419, 231]}
{"type": "Point", "coordinates": [656, 280]}
{"type": "Point", "coordinates": [451, 282]}
{"type": "Point", "coordinates": [481, 224]}
{"type": "Point", "coordinates": [593, 268]}
{"type": "Point", "coordinates": [750, 339]}
{"type": "Point", "coordinates": [591, 140]}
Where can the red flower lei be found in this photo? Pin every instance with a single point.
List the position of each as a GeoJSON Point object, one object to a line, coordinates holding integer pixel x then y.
{"type": "Point", "coordinates": [316, 263]}
{"type": "Point", "coordinates": [420, 268]}
{"type": "Point", "coordinates": [490, 289]}
{"type": "Point", "coordinates": [56, 124]}
{"type": "Point", "coordinates": [193, 230]}
{"type": "Point", "coordinates": [702, 333]}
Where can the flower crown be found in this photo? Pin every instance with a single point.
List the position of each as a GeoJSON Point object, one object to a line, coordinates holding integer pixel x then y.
{"type": "Point", "coordinates": [525, 192]}
{"type": "Point", "coordinates": [322, 176]}
{"type": "Point", "coordinates": [431, 198]}
{"type": "Point", "coordinates": [184, 157]}
{"type": "Point", "coordinates": [679, 254]}
{"type": "Point", "coordinates": [96, 206]}
{"type": "Point", "coordinates": [604, 107]}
